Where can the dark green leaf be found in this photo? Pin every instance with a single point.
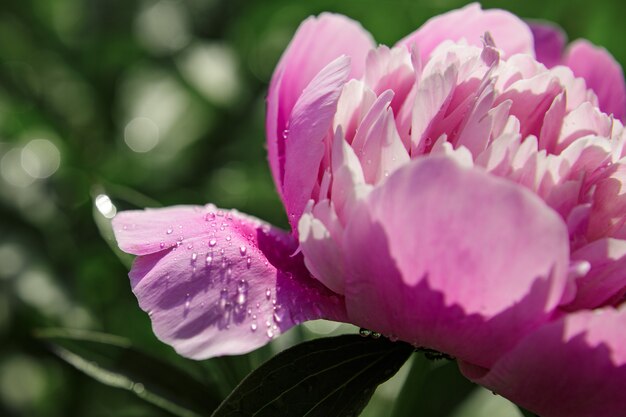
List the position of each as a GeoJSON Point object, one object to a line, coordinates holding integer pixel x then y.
{"type": "Point", "coordinates": [112, 360]}
{"type": "Point", "coordinates": [334, 376]}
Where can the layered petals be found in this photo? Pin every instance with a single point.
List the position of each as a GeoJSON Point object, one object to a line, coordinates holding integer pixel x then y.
{"type": "Point", "coordinates": [217, 282]}
{"type": "Point", "coordinates": [572, 367]}
{"type": "Point", "coordinates": [317, 42]}
{"type": "Point", "coordinates": [470, 23]}
{"type": "Point", "coordinates": [429, 260]}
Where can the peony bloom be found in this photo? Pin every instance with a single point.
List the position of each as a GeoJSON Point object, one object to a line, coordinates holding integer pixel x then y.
{"type": "Point", "coordinates": [462, 191]}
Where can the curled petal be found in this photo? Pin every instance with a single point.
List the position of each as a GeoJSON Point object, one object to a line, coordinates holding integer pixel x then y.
{"type": "Point", "coordinates": [221, 283]}
{"type": "Point", "coordinates": [317, 42]}
{"type": "Point", "coordinates": [573, 367]}
{"type": "Point", "coordinates": [436, 256]}
{"type": "Point", "coordinates": [310, 122]}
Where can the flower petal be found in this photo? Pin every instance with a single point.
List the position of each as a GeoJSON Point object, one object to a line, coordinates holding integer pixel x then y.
{"type": "Point", "coordinates": [607, 274]}
{"type": "Point", "coordinates": [573, 367]}
{"type": "Point", "coordinates": [602, 73]}
{"type": "Point", "coordinates": [227, 285]}
{"type": "Point", "coordinates": [317, 42]}
{"type": "Point", "coordinates": [436, 256]}
{"type": "Point", "coordinates": [511, 35]}
{"type": "Point", "coordinates": [309, 124]}
{"type": "Point", "coordinates": [549, 42]}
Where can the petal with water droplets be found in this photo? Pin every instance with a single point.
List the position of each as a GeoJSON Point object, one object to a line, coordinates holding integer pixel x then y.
{"type": "Point", "coordinates": [206, 296]}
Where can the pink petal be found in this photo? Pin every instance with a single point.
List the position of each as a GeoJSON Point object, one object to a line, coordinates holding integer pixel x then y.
{"type": "Point", "coordinates": [607, 276]}
{"type": "Point", "coordinates": [454, 259]}
{"type": "Point", "coordinates": [309, 123]}
{"type": "Point", "coordinates": [549, 42]}
{"type": "Point", "coordinates": [227, 285]}
{"type": "Point", "coordinates": [511, 35]}
{"type": "Point", "coordinates": [318, 41]}
{"type": "Point", "coordinates": [574, 367]}
{"type": "Point", "coordinates": [602, 73]}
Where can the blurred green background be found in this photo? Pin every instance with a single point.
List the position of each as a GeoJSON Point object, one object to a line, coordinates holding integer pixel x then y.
{"type": "Point", "coordinates": [145, 103]}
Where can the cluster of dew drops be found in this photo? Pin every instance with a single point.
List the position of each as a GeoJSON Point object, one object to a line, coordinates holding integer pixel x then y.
{"type": "Point", "coordinates": [233, 305]}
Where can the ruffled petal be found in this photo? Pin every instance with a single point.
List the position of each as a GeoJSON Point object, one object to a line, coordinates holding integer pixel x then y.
{"type": "Point", "coordinates": [317, 42]}
{"type": "Point", "coordinates": [454, 259]}
{"type": "Point", "coordinates": [218, 282]}
{"type": "Point", "coordinates": [602, 73]}
{"type": "Point", "coordinates": [511, 35]}
{"type": "Point", "coordinates": [573, 367]}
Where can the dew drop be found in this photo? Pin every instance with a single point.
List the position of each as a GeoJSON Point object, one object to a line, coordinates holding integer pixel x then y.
{"type": "Point", "coordinates": [212, 242]}
{"type": "Point", "coordinates": [223, 299]}
{"type": "Point", "coordinates": [209, 259]}
{"type": "Point", "coordinates": [228, 238]}
{"type": "Point", "coordinates": [253, 327]}
{"type": "Point", "coordinates": [242, 250]}
{"type": "Point", "coordinates": [241, 298]}
{"type": "Point", "coordinates": [162, 245]}
{"type": "Point", "coordinates": [270, 333]}
{"type": "Point", "coordinates": [268, 293]}
{"type": "Point", "coordinates": [249, 262]}
{"type": "Point", "coordinates": [169, 230]}
{"type": "Point", "coordinates": [365, 332]}
{"type": "Point", "coordinates": [220, 213]}
{"type": "Point", "coordinates": [194, 257]}
{"type": "Point", "coordinates": [187, 304]}
{"type": "Point", "coordinates": [190, 246]}
{"type": "Point", "coordinates": [285, 134]}
{"type": "Point", "coordinates": [375, 335]}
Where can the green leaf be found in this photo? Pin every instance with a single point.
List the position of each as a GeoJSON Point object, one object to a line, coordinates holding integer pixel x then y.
{"type": "Point", "coordinates": [334, 376]}
{"type": "Point", "coordinates": [112, 361]}
{"type": "Point", "coordinates": [432, 388]}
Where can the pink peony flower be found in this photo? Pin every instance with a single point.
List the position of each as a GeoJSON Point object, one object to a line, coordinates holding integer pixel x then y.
{"type": "Point", "coordinates": [452, 192]}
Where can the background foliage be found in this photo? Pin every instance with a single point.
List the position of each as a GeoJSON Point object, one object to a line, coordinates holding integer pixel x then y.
{"type": "Point", "coordinates": [159, 102]}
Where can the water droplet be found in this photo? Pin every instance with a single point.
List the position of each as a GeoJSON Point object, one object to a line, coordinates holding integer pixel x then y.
{"type": "Point", "coordinates": [162, 245]}
{"type": "Point", "coordinates": [194, 257]}
{"type": "Point", "coordinates": [268, 293]}
{"type": "Point", "coordinates": [169, 230]}
{"type": "Point", "coordinates": [212, 242]}
{"type": "Point", "coordinates": [223, 299]}
{"type": "Point", "coordinates": [209, 216]}
{"type": "Point", "coordinates": [393, 338]}
{"type": "Point", "coordinates": [187, 304]}
{"type": "Point", "coordinates": [228, 238]}
{"type": "Point", "coordinates": [279, 314]}
{"type": "Point", "coordinates": [375, 335]}
{"type": "Point", "coordinates": [242, 250]}
{"type": "Point", "coordinates": [220, 213]}
{"type": "Point", "coordinates": [190, 246]}
{"type": "Point", "coordinates": [270, 333]}
{"type": "Point", "coordinates": [241, 298]}
{"type": "Point", "coordinates": [253, 327]}
{"type": "Point", "coordinates": [365, 332]}
{"type": "Point", "coordinates": [209, 259]}
{"type": "Point", "coordinates": [285, 134]}
{"type": "Point", "coordinates": [249, 262]}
